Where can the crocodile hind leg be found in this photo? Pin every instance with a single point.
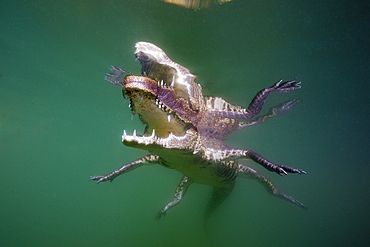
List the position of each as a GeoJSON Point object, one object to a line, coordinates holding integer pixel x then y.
{"type": "Point", "coordinates": [181, 189]}
{"type": "Point", "coordinates": [247, 172]}
{"type": "Point", "coordinates": [146, 160]}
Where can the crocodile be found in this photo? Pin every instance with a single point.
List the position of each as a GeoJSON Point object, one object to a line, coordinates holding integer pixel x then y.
{"type": "Point", "coordinates": [185, 130]}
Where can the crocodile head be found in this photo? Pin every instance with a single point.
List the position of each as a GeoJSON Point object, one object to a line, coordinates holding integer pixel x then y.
{"type": "Point", "coordinates": [165, 97]}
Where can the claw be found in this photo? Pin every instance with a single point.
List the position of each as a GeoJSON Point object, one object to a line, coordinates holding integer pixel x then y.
{"type": "Point", "coordinates": [282, 172]}
{"type": "Point", "coordinates": [301, 172]}
{"type": "Point", "coordinates": [160, 214]}
{"type": "Point", "coordinates": [101, 178]}
{"type": "Point", "coordinates": [277, 84]}
{"type": "Point", "coordinates": [284, 87]}
{"type": "Point", "coordinates": [292, 170]}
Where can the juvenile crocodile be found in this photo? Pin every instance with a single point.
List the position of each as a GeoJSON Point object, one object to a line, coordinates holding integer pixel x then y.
{"type": "Point", "coordinates": [186, 131]}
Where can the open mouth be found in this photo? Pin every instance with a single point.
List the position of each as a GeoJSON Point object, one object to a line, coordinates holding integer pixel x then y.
{"type": "Point", "coordinates": [155, 102]}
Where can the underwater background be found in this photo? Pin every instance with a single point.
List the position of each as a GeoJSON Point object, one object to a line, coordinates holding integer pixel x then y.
{"type": "Point", "coordinates": [60, 122]}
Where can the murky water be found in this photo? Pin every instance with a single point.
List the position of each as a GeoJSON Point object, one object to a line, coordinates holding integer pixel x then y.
{"type": "Point", "coordinates": [60, 122]}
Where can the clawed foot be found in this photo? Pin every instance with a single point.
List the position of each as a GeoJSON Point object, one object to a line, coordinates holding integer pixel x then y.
{"type": "Point", "coordinates": [283, 170]}
{"type": "Point", "coordinates": [160, 214]}
{"type": "Point", "coordinates": [284, 87]}
{"type": "Point", "coordinates": [101, 178]}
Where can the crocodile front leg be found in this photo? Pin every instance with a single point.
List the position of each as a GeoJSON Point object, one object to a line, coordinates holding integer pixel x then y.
{"type": "Point", "coordinates": [282, 87]}
{"type": "Point", "coordinates": [247, 172]}
{"type": "Point", "coordinates": [257, 102]}
{"type": "Point", "coordinates": [278, 110]}
{"type": "Point", "coordinates": [236, 153]}
{"type": "Point", "coordinates": [146, 160]}
{"type": "Point", "coordinates": [181, 189]}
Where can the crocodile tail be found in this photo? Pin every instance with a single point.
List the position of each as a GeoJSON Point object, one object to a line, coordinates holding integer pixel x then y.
{"type": "Point", "coordinates": [219, 194]}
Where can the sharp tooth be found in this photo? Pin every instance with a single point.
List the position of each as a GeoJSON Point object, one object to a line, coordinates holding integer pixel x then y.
{"type": "Point", "coordinates": [158, 84]}
{"type": "Point", "coordinates": [134, 134]}
{"type": "Point", "coordinates": [124, 133]}
{"type": "Point", "coordinates": [173, 81]}
{"type": "Point", "coordinates": [162, 83]}
{"type": "Point", "coordinates": [169, 117]}
{"type": "Point", "coordinates": [153, 133]}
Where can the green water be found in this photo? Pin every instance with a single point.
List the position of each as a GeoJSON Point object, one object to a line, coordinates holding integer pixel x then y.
{"type": "Point", "coordinates": [60, 122]}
